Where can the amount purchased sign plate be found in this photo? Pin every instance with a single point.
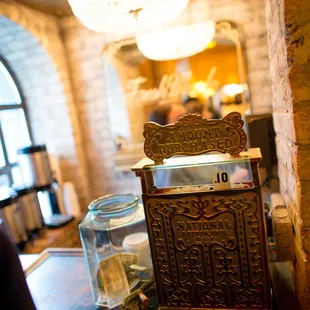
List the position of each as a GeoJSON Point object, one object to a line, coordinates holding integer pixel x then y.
{"type": "Point", "coordinates": [194, 135]}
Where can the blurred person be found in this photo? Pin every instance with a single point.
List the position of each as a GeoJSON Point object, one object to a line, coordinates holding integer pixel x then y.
{"type": "Point", "coordinates": [212, 112]}
{"type": "Point", "coordinates": [195, 106]}
{"type": "Point", "coordinates": [14, 291]}
{"type": "Point", "coordinates": [167, 112]}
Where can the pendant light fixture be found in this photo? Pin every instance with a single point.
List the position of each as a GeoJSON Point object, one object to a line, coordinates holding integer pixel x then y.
{"type": "Point", "coordinates": [176, 42]}
{"type": "Point", "coordinates": [188, 35]}
{"type": "Point", "coordinates": [126, 16]}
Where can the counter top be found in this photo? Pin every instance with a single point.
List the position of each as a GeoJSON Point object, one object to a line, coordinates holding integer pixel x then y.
{"type": "Point", "coordinates": [58, 280]}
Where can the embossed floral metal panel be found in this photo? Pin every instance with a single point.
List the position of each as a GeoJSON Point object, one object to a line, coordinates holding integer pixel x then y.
{"type": "Point", "coordinates": [209, 249]}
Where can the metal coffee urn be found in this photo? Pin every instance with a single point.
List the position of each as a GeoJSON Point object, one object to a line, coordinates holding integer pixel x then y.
{"type": "Point", "coordinates": [28, 199]}
{"type": "Point", "coordinates": [205, 215]}
{"type": "Point", "coordinates": [37, 173]}
{"type": "Point", "coordinates": [35, 167]}
{"type": "Point", "coordinates": [12, 216]}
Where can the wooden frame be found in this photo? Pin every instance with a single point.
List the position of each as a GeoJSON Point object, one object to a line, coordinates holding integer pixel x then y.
{"type": "Point", "coordinates": [52, 252]}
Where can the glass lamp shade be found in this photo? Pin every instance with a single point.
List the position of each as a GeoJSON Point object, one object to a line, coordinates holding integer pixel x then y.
{"type": "Point", "coordinates": [176, 42]}
{"type": "Point", "coordinates": [126, 16]}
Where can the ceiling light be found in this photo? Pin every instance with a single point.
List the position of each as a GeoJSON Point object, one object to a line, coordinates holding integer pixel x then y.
{"type": "Point", "coordinates": [126, 16]}
{"type": "Point", "coordinates": [176, 42]}
{"type": "Point", "coordinates": [232, 90]}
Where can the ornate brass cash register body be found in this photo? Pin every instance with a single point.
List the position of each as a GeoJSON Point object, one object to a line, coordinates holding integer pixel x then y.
{"type": "Point", "coordinates": [205, 215]}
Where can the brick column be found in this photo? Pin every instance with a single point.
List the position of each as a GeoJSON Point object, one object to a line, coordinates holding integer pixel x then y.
{"type": "Point", "coordinates": [288, 25]}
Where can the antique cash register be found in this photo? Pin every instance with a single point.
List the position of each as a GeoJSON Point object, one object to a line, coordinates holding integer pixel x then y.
{"type": "Point", "coordinates": [205, 215]}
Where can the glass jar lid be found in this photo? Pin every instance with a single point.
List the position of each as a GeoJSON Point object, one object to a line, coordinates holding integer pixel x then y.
{"type": "Point", "coordinates": [114, 205]}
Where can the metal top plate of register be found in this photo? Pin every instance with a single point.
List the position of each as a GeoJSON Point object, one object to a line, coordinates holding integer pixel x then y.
{"type": "Point", "coordinates": [179, 162]}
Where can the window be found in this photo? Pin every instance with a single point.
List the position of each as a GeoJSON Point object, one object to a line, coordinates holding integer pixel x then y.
{"type": "Point", "coordinates": [14, 131]}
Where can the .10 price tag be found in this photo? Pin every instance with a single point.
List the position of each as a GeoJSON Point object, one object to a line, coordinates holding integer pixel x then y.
{"type": "Point", "coordinates": [221, 180]}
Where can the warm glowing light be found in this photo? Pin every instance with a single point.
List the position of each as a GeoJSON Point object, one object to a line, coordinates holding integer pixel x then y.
{"type": "Point", "coordinates": [192, 93]}
{"type": "Point", "coordinates": [201, 89]}
{"type": "Point", "coordinates": [210, 92]}
{"type": "Point", "coordinates": [211, 44]}
{"type": "Point", "coordinates": [232, 90]}
{"type": "Point", "coordinates": [200, 86]}
{"type": "Point", "coordinates": [126, 16]}
{"type": "Point", "coordinates": [176, 42]}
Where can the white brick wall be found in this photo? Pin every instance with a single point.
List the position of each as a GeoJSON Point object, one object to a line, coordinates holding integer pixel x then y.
{"type": "Point", "coordinates": [30, 42]}
{"type": "Point", "coordinates": [86, 64]}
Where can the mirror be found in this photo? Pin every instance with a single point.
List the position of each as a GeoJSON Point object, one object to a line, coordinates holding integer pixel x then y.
{"type": "Point", "coordinates": [135, 85]}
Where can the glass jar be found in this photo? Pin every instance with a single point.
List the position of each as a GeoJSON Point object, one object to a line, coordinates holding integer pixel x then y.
{"type": "Point", "coordinates": [116, 248]}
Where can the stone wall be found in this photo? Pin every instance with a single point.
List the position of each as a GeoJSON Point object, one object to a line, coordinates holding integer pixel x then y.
{"type": "Point", "coordinates": [288, 24]}
{"type": "Point", "coordinates": [32, 45]}
{"type": "Point", "coordinates": [84, 49]}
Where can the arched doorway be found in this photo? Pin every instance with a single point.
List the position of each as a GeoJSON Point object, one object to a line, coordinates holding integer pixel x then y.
{"type": "Point", "coordinates": [46, 91]}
